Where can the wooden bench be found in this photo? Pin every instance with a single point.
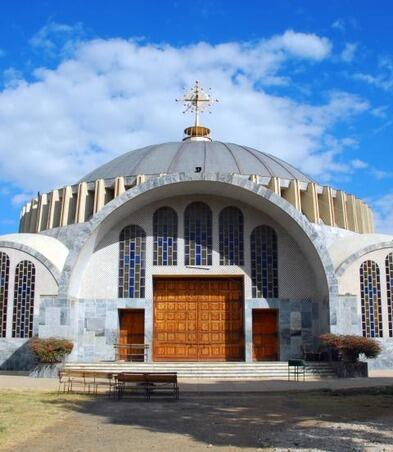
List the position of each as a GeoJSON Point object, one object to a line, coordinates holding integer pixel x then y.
{"type": "Point", "coordinates": [297, 368]}
{"type": "Point", "coordinates": [69, 379]}
{"type": "Point", "coordinates": [87, 380]}
{"type": "Point", "coordinates": [162, 383]}
{"type": "Point", "coordinates": [147, 384]}
{"type": "Point", "coordinates": [131, 382]}
{"type": "Point", "coordinates": [106, 380]}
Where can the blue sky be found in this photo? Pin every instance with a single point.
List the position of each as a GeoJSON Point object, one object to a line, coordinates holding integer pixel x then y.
{"type": "Point", "coordinates": [309, 81]}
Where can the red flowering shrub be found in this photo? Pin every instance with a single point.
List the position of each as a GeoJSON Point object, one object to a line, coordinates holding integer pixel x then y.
{"type": "Point", "coordinates": [51, 350]}
{"type": "Point", "coordinates": [350, 347]}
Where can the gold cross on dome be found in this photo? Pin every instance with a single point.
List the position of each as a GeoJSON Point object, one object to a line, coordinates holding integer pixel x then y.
{"type": "Point", "coordinates": [197, 100]}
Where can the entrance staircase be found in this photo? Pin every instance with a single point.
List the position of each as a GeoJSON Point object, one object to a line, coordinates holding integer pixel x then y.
{"type": "Point", "coordinates": [272, 370]}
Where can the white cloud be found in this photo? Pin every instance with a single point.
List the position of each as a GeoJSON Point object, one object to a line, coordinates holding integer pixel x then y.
{"type": "Point", "coordinates": [339, 24]}
{"type": "Point", "coordinates": [301, 45]}
{"type": "Point", "coordinates": [12, 77]}
{"type": "Point", "coordinates": [383, 213]}
{"type": "Point", "coordinates": [348, 53]}
{"type": "Point", "coordinates": [359, 164]}
{"type": "Point", "coordinates": [114, 95]}
{"type": "Point", "coordinates": [54, 38]}
{"type": "Point", "coordinates": [381, 174]}
{"type": "Point", "coordinates": [380, 112]}
{"type": "Point", "coordinates": [21, 198]}
{"type": "Point", "coordinates": [383, 79]}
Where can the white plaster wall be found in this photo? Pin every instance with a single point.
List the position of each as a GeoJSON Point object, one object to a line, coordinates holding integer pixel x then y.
{"type": "Point", "coordinates": [349, 282]}
{"type": "Point", "coordinates": [54, 250]}
{"type": "Point", "coordinates": [45, 282]}
{"type": "Point", "coordinates": [100, 277]}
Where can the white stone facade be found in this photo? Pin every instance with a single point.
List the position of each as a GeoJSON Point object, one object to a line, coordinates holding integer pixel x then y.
{"type": "Point", "coordinates": [77, 266]}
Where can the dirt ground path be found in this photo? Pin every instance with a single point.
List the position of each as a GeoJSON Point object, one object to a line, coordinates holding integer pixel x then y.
{"type": "Point", "coordinates": [293, 421]}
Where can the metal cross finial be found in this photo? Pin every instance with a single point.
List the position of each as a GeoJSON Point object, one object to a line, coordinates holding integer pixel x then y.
{"type": "Point", "coordinates": [197, 100]}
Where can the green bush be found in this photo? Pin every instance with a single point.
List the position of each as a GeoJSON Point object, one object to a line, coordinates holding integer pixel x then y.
{"type": "Point", "coordinates": [51, 350]}
{"type": "Point", "coordinates": [350, 347]}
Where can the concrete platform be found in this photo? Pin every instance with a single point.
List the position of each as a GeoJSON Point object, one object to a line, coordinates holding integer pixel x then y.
{"type": "Point", "coordinates": [380, 378]}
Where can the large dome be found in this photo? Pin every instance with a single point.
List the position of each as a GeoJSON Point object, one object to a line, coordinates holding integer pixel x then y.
{"type": "Point", "coordinates": [186, 156]}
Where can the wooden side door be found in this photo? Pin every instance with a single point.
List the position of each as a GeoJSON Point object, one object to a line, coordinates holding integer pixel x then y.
{"type": "Point", "coordinates": [265, 334]}
{"type": "Point", "coordinates": [132, 328]}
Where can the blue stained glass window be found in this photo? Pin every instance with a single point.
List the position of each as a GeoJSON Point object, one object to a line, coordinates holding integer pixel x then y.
{"type": "Point", "coordinates": [389, 289]}
{"type": "Point", "coordinates": [165, 236]}
{"type": "Point", "coordinates": [22, 324]}
{"type": "Point", "coordinates": [132, 262]}
{"type": "Point", "coordinates": [370, 292]}
{"type": "Point", "coordinates": [4, 279]}
{"type": "Point", "coordinates": [264, 262]}
{"type": "Point", "coordinates": [231, 236]}
{"type": "Point", "coordinates": [198, 234]}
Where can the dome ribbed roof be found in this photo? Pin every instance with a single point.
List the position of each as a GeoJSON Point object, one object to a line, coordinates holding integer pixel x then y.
{"type": "Point", "coordinates": [185, 156]}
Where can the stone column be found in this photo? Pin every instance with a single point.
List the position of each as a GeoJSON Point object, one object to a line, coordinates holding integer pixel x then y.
{"type": "Point", "coordinates": [22, 219]}
{"type": "Point", "coordinates": [53, 198]}
{"type": "Point", "coordinates": [309, 199]}
{"type": "Point", "coordinates": [65, 205]}
{"type": "Point", "coordinates": [80, 213]}
{"type": "Point", "coordinates": [42, 212]}
{"type": "Point", "coordinates": [26, 220]}
{"type": "Point", "coordinates": [361, 214]}
{"type": "Point", "coordinates": [326, 210]}
{"type": "Point", "coordinates": [292, 194]}
{"type": "Point", "coordinates": [99, 195]}
{"type": "Point", "coordinates": [340, 209]}
{"type": "Point", "coordinates": [274, 185]}
{"type": "Point", "coordinates": [140, 178]}
{"type": "Point", "coordinates": [119, 186]}
{"type": "Point", "coordinates": [33, 216]}
{"type": "Point", "coordinates": [371, 215]}
{"type": "Point", "coordinates": [352, 214]}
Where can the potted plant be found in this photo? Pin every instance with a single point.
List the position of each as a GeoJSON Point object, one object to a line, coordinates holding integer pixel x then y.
{"type": "Point", "coordinates": [49, 354]}
{"type": "Point", "coordinates": [349, 348]}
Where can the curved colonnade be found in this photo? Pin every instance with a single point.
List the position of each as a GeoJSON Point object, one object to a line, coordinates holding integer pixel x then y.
{"type": "Point", "coordinates": [78, 203]}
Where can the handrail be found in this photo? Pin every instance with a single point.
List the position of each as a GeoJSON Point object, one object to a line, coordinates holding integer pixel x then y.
{"type": "Point", "coordinates": [141, 351]}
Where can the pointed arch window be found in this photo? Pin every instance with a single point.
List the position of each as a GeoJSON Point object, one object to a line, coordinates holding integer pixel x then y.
{"type": "Point", "coordinates": [264, 262]}
{"type": "Point", "coordinates": [4, 281]}
{"type": "Point", "coordinates": [389, 289]}
{"type": "Point", "coordinates": [132, 262]}
{"type": "Point", "coordinates": [198, 234]}
{"type": "Point", "coordinates": [24, 292]}
{"type": "Point", "coordinates": [231, 236]}
{"type": "Point", "coordinates": [370, 292]}
{"type": "Point", "coordinates": [165, 236]}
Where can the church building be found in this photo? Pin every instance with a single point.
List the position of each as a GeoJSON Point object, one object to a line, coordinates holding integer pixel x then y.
{"type": "Point", "coordinates": [194, 250]}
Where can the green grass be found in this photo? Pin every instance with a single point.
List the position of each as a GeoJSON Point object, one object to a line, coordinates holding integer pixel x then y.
{"type": "Point", "coordinates": [23, 414]}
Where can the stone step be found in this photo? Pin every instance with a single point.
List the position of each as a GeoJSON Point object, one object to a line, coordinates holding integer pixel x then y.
{"type": "Point", "coordinates": [232, 371]}
{"type": "Point", "coordinates": [267, 364]}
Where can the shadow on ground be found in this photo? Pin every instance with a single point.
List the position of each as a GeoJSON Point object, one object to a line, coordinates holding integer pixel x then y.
{"type": "Point", "coordinates": [324, 420]}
